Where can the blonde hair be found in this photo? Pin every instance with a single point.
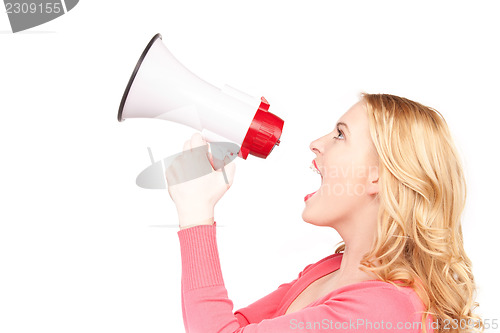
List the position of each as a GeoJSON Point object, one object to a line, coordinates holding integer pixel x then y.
{"type": "Point", "coordinates": [422, 196]}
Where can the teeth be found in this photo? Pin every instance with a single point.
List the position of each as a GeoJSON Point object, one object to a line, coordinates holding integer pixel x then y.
{"type": "Point", "coordinates": [313, 168]}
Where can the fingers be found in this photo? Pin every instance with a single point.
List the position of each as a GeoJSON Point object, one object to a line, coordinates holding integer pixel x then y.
{"type": "Point", "coordinates": [187, 145]}
{"type": "Point", "coordinates": [197, 140]}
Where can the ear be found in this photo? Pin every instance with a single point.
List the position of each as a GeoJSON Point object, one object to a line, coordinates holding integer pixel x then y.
{"type": "Point", "coordinates": [372, 186]}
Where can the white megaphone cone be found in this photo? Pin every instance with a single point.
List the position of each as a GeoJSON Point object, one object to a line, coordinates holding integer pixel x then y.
{"type": "Point", "coordinates": [161, 87]}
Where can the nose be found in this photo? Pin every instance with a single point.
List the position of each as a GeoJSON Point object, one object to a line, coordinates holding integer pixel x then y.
{"type": "Point", "coordinates": [315, 146]}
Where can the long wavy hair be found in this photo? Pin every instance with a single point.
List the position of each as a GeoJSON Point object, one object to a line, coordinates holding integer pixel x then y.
{"type": "Point", "coordinates": [422, 196]}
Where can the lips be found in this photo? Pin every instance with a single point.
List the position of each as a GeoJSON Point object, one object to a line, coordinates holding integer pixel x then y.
{"type": "Point", "coordinates": [315, 168]}
{"type": "Point", "coordinates": [309, 195]}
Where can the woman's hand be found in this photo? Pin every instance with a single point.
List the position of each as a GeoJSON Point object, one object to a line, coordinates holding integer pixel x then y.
{"type": "Point", "coordinates": [195, 198]}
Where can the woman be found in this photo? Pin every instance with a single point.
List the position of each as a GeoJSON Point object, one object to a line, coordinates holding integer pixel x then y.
{"type": "Point", "coordinates": [393, 188]}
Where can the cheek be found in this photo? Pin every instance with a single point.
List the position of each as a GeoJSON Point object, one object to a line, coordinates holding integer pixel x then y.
{"type": "Point", "coordinates": [341, 192]}
{"type": "Point", "coordinates": [328, 206]}
{"type": "Point", "coordinates": [335, 201]}
{"type": "Point", "coordinates": [345, 179]}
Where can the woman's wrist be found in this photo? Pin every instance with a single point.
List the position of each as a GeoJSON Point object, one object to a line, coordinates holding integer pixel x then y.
{"type": "Point", "coordinates": [195, 216]}
{"type": "Point", "coordinates": [185, 225]}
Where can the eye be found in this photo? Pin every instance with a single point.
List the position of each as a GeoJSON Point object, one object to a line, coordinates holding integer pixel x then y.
{"type": "Point", "coordinates": [340, 136]}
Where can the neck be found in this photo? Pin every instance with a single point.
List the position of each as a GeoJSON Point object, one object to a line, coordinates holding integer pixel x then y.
{"type": "Point", "coordinates": [349, 270]}
{"type": "Point", "coordinates": [358, 235]}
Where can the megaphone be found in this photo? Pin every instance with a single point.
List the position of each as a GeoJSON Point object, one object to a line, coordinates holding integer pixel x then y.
{"type": "Point", "coordinates": [162, 88]}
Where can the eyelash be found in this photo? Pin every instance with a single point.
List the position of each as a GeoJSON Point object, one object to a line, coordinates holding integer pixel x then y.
{"type": "Point", "coordinates": [340, 133]}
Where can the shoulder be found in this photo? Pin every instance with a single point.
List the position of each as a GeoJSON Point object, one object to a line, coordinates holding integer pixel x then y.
{"type": "Point", "coordinates": [379, 299]}
{"type": "Point", "coordinates": [319, 262]}
{"type": "Point", "coordinates": [384, 293]}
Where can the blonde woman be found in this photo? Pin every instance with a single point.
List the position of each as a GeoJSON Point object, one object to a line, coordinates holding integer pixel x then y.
{"type": "Point", "coordinates": [393, 188]}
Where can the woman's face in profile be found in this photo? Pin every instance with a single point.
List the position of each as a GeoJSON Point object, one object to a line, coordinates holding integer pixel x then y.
{"type": "Point", "coordinates": [348, 163]}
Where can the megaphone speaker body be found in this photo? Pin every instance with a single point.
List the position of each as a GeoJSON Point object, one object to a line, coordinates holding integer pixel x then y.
{"type": "Point", "coordinates": [162, 88]}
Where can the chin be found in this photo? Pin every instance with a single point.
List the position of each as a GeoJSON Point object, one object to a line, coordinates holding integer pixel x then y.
{"type": "Point", "coordinates": [313, 218]}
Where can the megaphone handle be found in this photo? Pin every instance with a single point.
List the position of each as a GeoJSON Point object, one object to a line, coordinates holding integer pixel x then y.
{"type": "Point", "coordinates": [225, 177]}
{"type": "Point", "coordinates": [223, 170]}
{"type": "Point", "coordinates": [151, 156]}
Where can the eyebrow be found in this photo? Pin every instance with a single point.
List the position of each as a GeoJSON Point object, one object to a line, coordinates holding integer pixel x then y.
{"type": "Point", "coordinates": [345, 125]}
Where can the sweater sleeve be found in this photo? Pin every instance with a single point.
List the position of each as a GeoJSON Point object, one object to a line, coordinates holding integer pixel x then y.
{"type": "Point", "coordinates": [207, 308]}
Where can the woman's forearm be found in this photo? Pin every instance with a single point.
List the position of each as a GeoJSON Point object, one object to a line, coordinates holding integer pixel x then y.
{"type": "Point", "coordinates": [207, 307]}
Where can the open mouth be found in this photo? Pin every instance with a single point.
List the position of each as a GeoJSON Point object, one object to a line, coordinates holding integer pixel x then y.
{"type": "Point", "coordinates": [314, 167]}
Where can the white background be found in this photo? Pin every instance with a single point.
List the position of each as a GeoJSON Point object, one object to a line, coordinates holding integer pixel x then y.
{"type": "Point", "coordinates": [83, 249]}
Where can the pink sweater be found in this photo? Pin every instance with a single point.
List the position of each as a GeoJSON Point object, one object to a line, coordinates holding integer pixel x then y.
{"type": "Point", "coordinates": [374, 306]}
